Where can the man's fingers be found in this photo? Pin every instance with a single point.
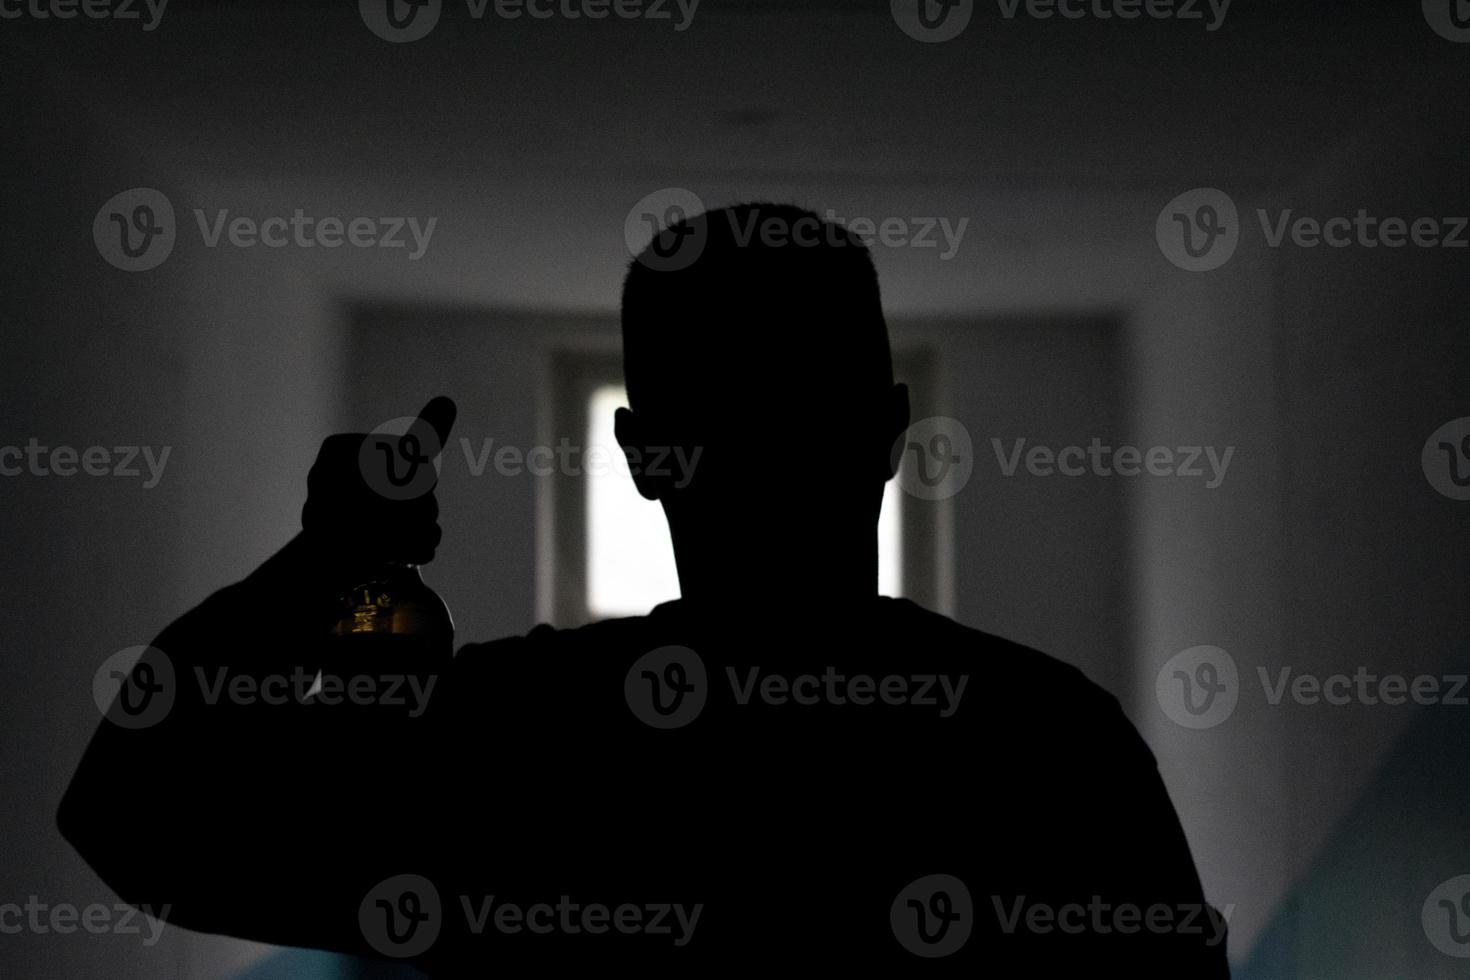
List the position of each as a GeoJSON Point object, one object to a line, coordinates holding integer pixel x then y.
{"type": "Point", "coordinates": [439, 415]}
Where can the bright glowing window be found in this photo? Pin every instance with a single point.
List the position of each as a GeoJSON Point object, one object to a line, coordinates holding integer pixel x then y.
{"type": "Point", "coordinates": [630, 562]}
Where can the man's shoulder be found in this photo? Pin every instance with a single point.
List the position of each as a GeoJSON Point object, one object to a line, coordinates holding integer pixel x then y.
{"type": "Point", "coordinates": [544, 637]}
{"type": "Point", "coordinates": [898, 635]}
{"type": "Point", "coordinates": [1017, 678]}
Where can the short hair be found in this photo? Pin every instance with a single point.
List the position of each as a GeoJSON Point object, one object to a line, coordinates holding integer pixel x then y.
{"type": "Point", "coordinates": [768, 293]}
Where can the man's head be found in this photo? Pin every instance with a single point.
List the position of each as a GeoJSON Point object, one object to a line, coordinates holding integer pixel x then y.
{"type": "Point", "coordinates": [763, 347]}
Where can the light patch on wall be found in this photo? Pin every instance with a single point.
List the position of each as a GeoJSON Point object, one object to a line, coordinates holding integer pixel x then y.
{"type": "Point", "coordinates": [630, 561]}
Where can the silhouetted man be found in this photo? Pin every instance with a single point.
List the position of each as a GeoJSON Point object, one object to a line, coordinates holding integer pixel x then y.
{"type": "Point", "coordinates": [780, 770]}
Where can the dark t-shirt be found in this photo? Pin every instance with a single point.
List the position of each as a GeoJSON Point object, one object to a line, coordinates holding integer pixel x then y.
{"type": "Point", "coordinates": [685, 793]}
{"type": "Point", "coordinates": [872, 789]}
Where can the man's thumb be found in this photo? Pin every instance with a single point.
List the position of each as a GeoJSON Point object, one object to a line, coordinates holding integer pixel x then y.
{"type": "Point", "coordinates": [439, 416]}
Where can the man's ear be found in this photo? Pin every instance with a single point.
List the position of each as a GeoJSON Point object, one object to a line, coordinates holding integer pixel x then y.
{"type": "Point", "coordinates": [895, 423]}
{"type": "Point", "coordinates": [633, 437]}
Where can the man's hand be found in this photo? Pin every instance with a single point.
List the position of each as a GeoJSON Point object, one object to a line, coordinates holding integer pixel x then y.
{"type": "Point", "coordinates": [370, 496]}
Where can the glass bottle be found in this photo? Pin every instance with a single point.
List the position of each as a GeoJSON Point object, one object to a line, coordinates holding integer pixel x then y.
{"type": "Point", "coordinates": [389, 607]}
